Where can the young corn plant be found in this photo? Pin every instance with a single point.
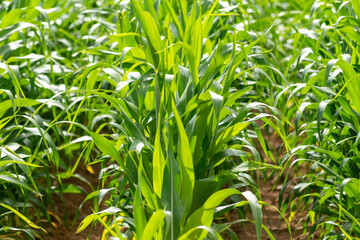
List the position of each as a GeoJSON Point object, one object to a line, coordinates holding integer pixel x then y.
{"type": "Point", "coordinates": [32, 79]}
{"type": "Point", "coordinates": [329, 105]}
{"type": "Point", "coordinates": [168, 96]}
{"type": "Point", "coordinates": [179, 128]}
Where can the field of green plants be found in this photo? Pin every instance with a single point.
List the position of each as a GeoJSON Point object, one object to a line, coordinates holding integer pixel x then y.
{"type": "Point", "coordinates": [176, 103]}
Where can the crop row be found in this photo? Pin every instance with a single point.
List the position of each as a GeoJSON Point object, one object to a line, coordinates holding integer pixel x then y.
{"type": "Point", "coordinates": [176, 100]}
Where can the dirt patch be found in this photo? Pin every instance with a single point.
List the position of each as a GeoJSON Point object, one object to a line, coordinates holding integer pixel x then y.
{"type": "Point", "coordinates": [272, 219]}
{"type": "Point", "coordinates": [66, 209]}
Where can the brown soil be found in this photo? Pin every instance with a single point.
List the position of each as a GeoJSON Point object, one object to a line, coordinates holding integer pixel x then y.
{"type": "Point", "coordinates": [270, 195]}
{"type": "Point", "coordinates": [60, 229]}
{"type": "Point", "coordinates": [271, 218]}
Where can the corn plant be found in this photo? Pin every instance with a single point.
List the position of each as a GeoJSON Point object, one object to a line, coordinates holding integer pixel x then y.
{"type": "Point", "coordinates": [175, 100]}
{"type": "Point", "coordinates": [178, 124]}
{"type": "Point", "coordinates": [328, 120]}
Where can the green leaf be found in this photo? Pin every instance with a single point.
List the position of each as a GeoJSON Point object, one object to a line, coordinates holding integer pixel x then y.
{"type": "Point", "coordinates": [5, 162]}
{"type": "Point", "coordinates": [196, 45]}
{"type": "Point", "coordinates": [7, 32]}
{"type": "Point", "coordinates": [201, 229]}
{"type": "Point", "coordinates": [174, 18]}
{"type": "Point", "coordinates": [31, 224]}
{"type": "Point", "coordinates": [185, 162]}
{"type": "Point", "coordinates": [204, 215]}
{"type": "Point", "coordinates": [356, 6]}
{"type": "Point", "coordinates": [217, 103]}
{"type": "Point", "coordinates": [90, 218]}
{"type": "Point", "coordinates": [352, 82]}
{"type": "Point", "coordinates": [150, 29]}
{"type": "Point", "coordinates": [139, 214]}
{"type": "Point", "coordinates": [154, 223]}
{"type": "Point", "coordinates": [158, 164]}
{"type": "Point", "coordinates": [256, 211]}
{"type": "Point", "coordinates": [107, 147]}
{"type": "Point", "coordinates": [11, 18]}
{"type": "Point", "coordinates": [320, 112]}
{"type": "Point", "coordinates": [16, 181]}
{"type": "Point", "coordinates": [352, 188]}
{"type": "Point", "coordinates": [19, 102]}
